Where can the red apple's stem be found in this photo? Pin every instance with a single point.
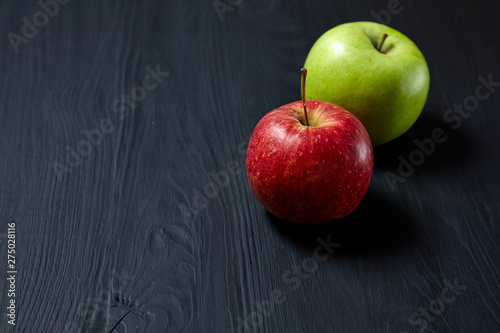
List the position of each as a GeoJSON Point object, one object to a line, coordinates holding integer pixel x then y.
{"type": "Point", "coordinates": [382, 42]}
{"type": "Point", "coordinates": [304, 74]}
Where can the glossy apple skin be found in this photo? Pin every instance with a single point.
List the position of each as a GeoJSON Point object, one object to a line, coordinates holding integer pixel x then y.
{"type": "Point", "coordinates": [309, 174]}
{"type": "Point", "coordinates": [385, 90]}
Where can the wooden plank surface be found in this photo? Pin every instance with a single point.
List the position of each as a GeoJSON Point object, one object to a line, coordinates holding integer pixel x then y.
{"type": "Point", "coordinates": [116, 115]}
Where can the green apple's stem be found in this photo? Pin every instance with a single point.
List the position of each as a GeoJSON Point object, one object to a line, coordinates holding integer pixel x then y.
{"type": "Point", "coordinates": [382, 42]}
{"type": "Point", "coordinates": [304, 74]}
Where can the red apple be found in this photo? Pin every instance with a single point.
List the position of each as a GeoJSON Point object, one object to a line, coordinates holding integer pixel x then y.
{"type": "Point", "coordinates": [309, 162]}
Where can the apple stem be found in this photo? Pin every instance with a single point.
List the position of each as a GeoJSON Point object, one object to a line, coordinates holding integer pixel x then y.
{"type": "Point", "coordinates": [382, 42]}
{"type": "Point", "coordinates": [304, 74]}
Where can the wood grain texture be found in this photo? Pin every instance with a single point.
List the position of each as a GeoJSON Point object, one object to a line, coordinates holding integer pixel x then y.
{"type": "Point", "coordinates": [122, 241]}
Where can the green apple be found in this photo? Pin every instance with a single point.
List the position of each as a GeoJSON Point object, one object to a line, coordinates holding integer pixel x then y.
{"type": "Point", "coordinates": [372, 70]}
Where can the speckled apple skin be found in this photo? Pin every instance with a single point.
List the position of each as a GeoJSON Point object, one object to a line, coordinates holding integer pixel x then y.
{"type": "Point", "coordinates": [309, 174]}
{"type": "Point", "coordinates": [385, 90]}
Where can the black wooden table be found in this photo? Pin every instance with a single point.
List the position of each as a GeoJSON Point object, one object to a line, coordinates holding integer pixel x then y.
{"type": "Point", "coordinates": [122, 174]}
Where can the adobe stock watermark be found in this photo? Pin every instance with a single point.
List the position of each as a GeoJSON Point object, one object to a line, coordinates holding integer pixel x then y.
{"type": "Point", "coordinates": [293, 279]}
{"type": "Point", "coordinates": [29, 29]}
{"type": "Point", "coordinates": [12, 281]}
{"type": "Point", "coordinates": [420, 319]}
{"type": "Point", "coordinates": [218, 180]}
{"type": "Point", "coordinates": [122, 107]}
{"type": "Point", "coordinates": [384, 16]}
{"type": "Point", "coordinates": [223, 6]}
{"type": "Point", "coordinates": [86, 310]}
{"type": "Point", "coordinates": [454, 116]}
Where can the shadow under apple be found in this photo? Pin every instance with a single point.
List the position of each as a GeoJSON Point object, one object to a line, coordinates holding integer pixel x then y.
{"type": "Point", "coordinates": [375, 228]}
{"type": "Point", "coordinates": [455, 151]}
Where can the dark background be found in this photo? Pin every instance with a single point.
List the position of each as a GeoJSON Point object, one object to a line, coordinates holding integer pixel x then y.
{"type": "Point", "coordinates": [104, 243]}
